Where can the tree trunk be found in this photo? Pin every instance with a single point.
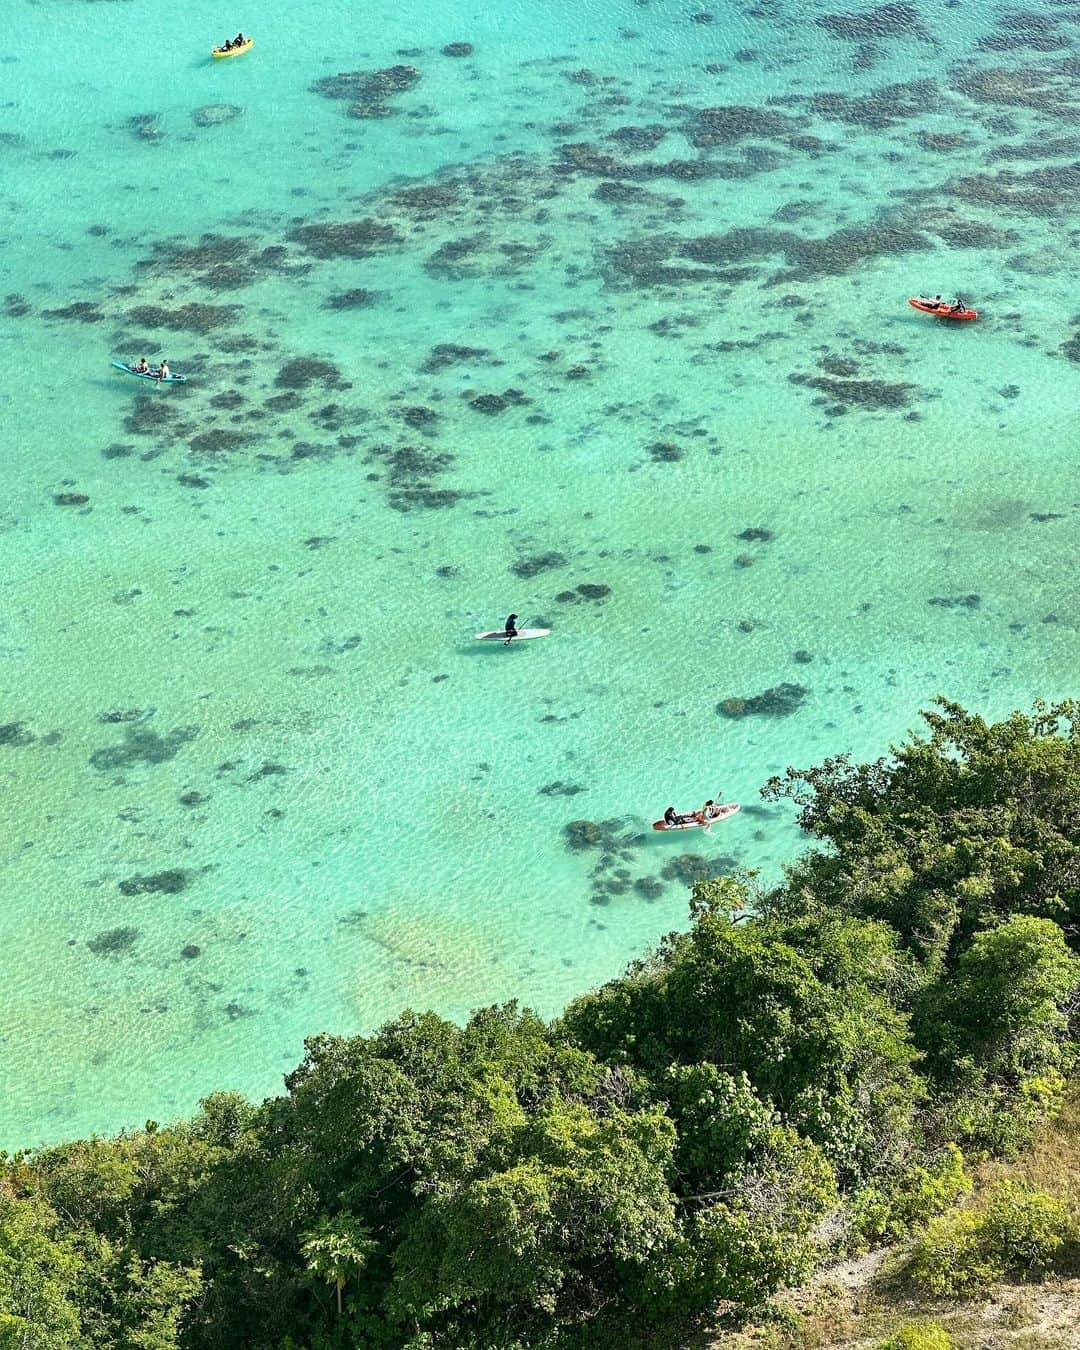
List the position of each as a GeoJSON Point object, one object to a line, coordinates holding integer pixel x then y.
{"type": "Point", "coordinates": [340, 1287]}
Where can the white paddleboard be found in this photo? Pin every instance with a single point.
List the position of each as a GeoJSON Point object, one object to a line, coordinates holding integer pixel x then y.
{"type": "Point", "coordinates": [522, 634]}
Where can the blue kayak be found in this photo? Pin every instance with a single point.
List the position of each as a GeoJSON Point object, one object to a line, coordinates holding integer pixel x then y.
{"type": "Point", "coordinates": [149, 374]}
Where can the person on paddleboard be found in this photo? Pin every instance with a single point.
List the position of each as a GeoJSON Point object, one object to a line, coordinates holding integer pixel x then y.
{"type": "Point", "coordinates": [510, 629]}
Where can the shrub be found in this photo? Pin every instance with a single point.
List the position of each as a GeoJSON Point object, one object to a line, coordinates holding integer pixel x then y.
{"type": "Point", "coordinates": [927, 1336]}
{"type": "Point", "coordinates": [913, 1197]}
{"type": "Point", "coordinates": [1019, 1231]}
{"type": "Point", "coordinates": [998, 1029]}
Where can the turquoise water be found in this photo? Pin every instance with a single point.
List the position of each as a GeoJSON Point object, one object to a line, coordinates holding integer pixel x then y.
{"type": "Point", "coordinates": [257, 780]}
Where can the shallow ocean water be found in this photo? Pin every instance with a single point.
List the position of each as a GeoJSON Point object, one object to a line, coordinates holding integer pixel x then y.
{"type": "Point", "coordinates": [243, 717]}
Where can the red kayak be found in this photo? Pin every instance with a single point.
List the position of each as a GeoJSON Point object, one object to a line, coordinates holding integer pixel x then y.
{"type": "Point", "coordinates": [942, 311]}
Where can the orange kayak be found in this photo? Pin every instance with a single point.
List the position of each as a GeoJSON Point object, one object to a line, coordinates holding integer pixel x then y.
{"type": "Point", "coordinates": [942, 311]}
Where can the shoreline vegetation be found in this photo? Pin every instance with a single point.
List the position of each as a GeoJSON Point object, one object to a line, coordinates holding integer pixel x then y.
{"type": "Point", "coordinates": [870, 1300]}
{"type": "Point", "coordinates": [811, 1073]}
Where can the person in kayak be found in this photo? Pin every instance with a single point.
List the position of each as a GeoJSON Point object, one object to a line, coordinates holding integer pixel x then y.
{"type": "Point", "coordinates": [510, 629]}
{"type": "Point", "coordinates": [162, 371]}
{"type": "Point", "coordinates": [959, 306]}
{"type": "Point", "coordinates": [141, 366]}
{"type": "Point", "coordinates": [238, 40]}
{"type": "Point", "coordinates": [707, 814]}
{"type": "Point", "coordinates": [671, 817]}
{"type": "Point", "coordinates": [227, 46]}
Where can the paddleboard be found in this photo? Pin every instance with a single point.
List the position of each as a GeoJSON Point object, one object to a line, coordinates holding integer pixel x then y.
{"type": "Point", "coordinates": [522, 634]}
{"type": "Point", "coordinates": [146, 375]}
{"type": "Point", "coordinates": [728, 809]}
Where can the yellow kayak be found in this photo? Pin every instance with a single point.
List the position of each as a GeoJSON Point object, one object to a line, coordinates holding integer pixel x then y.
{"type": "Point", "coordinates": [218, 53]}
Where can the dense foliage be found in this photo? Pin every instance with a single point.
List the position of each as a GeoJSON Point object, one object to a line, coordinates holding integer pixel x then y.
{"type": "Point", "coordinates": [802, 1072]}
{"type": "Point", "coordinates": [965, 1251]}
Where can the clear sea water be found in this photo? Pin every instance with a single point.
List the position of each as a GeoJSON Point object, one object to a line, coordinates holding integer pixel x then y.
{"type": "Point", "coordinates": [256, 779]}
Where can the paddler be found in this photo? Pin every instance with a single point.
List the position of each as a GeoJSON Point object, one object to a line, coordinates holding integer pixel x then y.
{"type": "Point", "coordinates": [671, 817]}
{"type": "Point", "coordinates": [163, 370]}
{"type": "Point", "coordinates": [141, 366]}
{"type": "Point", "coordinates": [707, 813]}
{"type": "Point", "coordinates": [510, 629]}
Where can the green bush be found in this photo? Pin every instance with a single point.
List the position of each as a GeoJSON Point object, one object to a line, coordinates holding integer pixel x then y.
{"type": "Point", "coordinates": [1018, 1232]}
{"type": "Point", "coordinates": [927, 1336]}
{"type": "Point", "coordinates": [913, 1197]}
{"type": "Point", "coordinates": [996, 1032]}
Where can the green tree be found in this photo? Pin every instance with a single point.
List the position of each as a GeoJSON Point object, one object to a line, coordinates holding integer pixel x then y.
{"type": "Point", "coordinates": [797, 1007]}
{"type": "Point", "coordinates": [975, 821]}
{"type": "Point", "coordinates": [997, 1031]}
{"type": "Point", "coordinates": [40, 1270]}
{"type": "Point", "coordinates": [337, 1250]}
{"type": "Point", "coordinates": [720, 1122]}
{"type": "Point", "coordinates": [551, 1240]}
{"type": "Point", "coordinates": [136, 1304]}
